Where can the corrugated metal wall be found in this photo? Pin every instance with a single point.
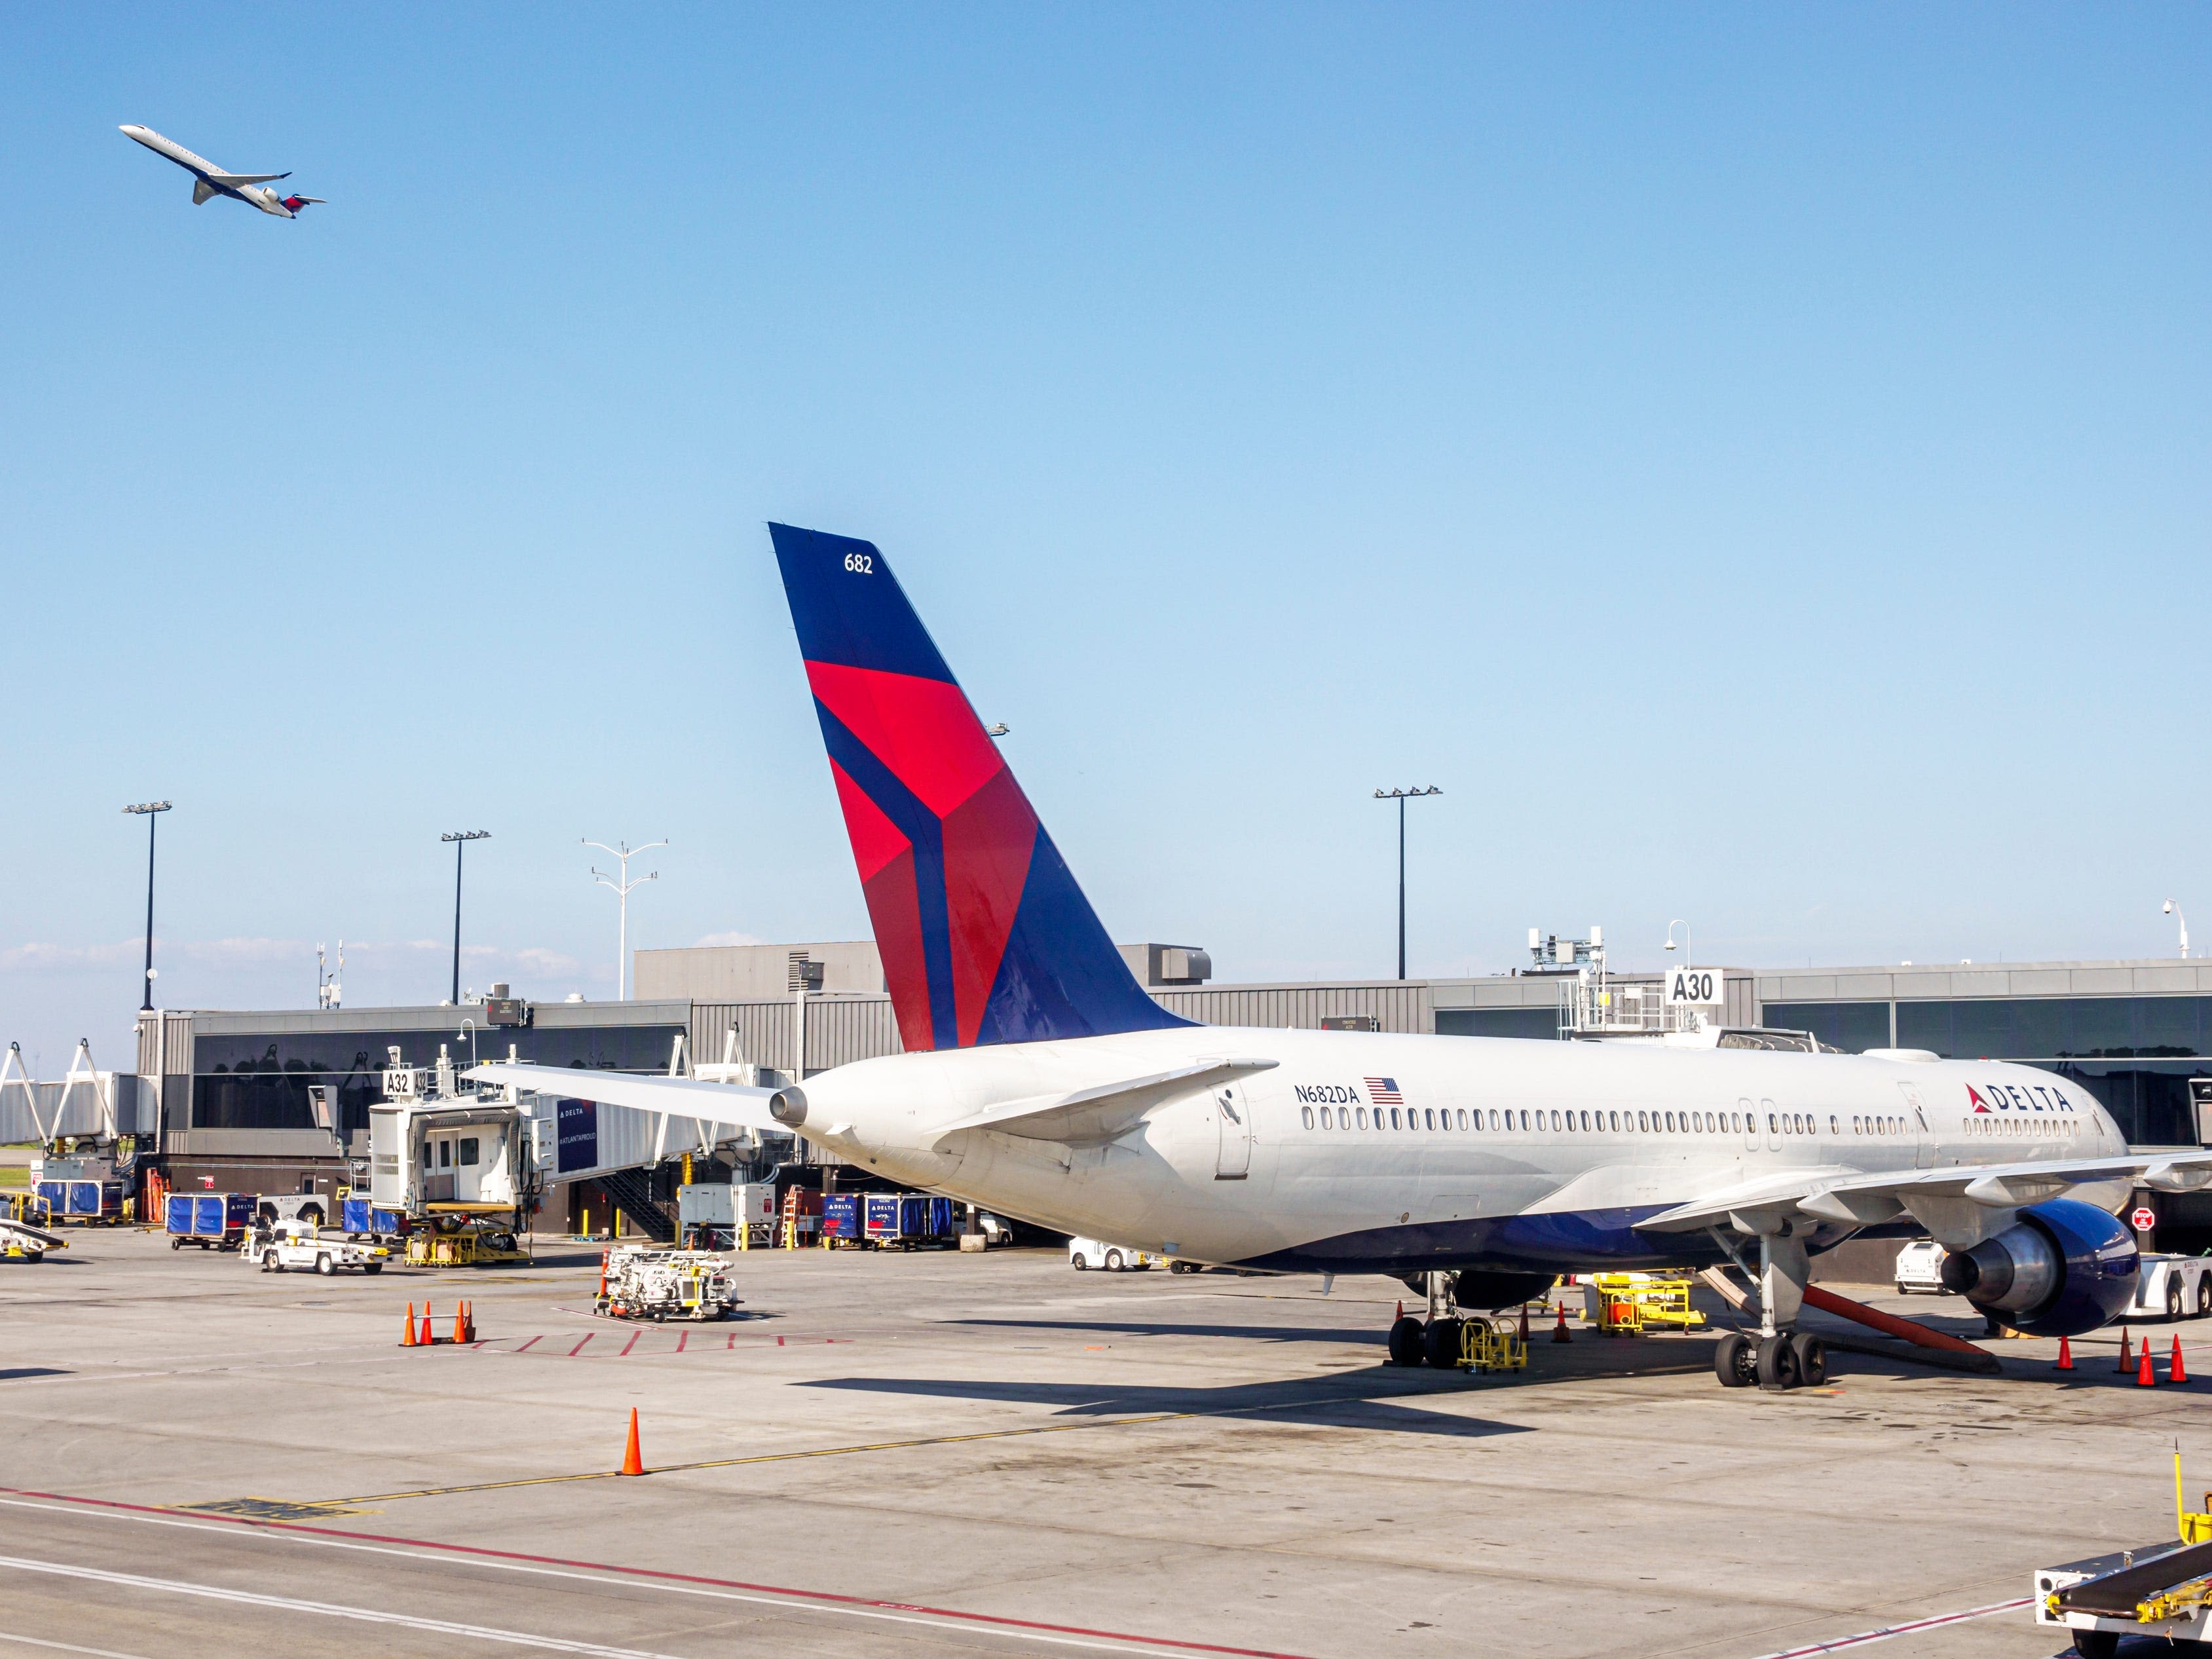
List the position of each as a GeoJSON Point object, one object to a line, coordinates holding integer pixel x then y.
{"type": "Point", "coordinates": [1397, 1005]}
{"type": "Point", "coordinates": [838, 1030]}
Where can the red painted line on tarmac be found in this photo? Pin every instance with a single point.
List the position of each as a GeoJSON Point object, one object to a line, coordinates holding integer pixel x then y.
{"type": "Point", "coordinates": [822, 1598]}
{"type": "Point", "coordinates": [579, 1348]}
{"type": "Point", "coordinates": [632, 1343]}
{"type": "Point", "coordinates": [732, 1342]}
{"type": "Point", "coordinates": [533, 1342]}
{"type": "Point", "coordinates": [682, 1337]}
{"type": "Point", "coordinates": [1907, 1629]}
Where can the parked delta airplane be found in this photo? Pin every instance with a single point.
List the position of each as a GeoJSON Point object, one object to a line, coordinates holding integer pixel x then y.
{"type": "Point", "coordinates": [1039, 1080]}
{"type": "Point", "coordinates": [213, 181]}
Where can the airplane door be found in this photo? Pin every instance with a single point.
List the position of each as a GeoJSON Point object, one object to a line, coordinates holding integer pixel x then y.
{"type": "Point", "coordinates": [1750, 1126]}
{"type": "Point", "coordinates": [1924, 1136]}
{"type": "Point", "coordinates": [1234, 1161]}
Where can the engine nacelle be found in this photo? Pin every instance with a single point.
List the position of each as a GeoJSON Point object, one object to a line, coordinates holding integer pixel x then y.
{"type": "Point", "coordinates": [2063, 1268]}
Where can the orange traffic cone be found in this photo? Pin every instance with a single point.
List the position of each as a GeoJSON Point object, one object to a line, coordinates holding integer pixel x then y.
{"type": "Point", "coordinates": [1560, 1330]}
{"type": "Point", "coordinates": [1401, 1313]}
{"type": "Point", "coordinates": [469, 1321]}
{"type": "Point", "coordinates": [2065, 1357]}
{"type": "Point", "coordinates": [458, 1327]}
{"type": "Point", "coordinates": [632, 1463]}
{"type": "Point", "coordinates": [2127, 1364]}
{"type": "Point", "coordinates": [1525, 1324]}
{"type": "Point", "coordinates": [407, 1330]}
{"type": "Point", "coordinates": [603, 1276]}
{"type": "Point", "coordinates": [2145, 1376]}
{"type": "Point", "coordinates": [428, 1339]}
{"type": "Point", "coordinates": [2176, 1371]}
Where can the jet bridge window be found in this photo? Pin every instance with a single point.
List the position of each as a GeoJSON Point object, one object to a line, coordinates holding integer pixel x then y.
{"type": "Point", "coordinates": [468, 1149]}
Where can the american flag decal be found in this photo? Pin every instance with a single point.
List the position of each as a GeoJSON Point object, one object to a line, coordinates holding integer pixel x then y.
{"type": "Point", "coordinates": [1384, 1091]}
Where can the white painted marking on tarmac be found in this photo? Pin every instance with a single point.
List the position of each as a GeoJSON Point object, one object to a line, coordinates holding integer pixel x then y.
{"type": "Point", "coordinates": [1866, 1638]}
{"type": "Point", "coordinates": [327, 1609]}
{"type": "Point", "coordinates": [64, 1647]}
{"type": "Point", "coordinates": [617, 1580]}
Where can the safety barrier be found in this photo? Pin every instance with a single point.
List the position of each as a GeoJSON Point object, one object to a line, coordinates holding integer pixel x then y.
{"type": "Point", "coordinates": [1496, 1343]}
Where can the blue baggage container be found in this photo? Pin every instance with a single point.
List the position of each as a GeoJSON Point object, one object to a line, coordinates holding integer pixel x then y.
{"type": "Point", "coordinates": [944, 1217]}
{"type": "Point", "coordinates": [82, 1201]}
{"type": "Point", "coordinates": [881, 1214]}
{"type": "Point", "coordinates": [360, 1215]}
{"type": "Point", "coordinates": [211, 1220]}
{"type": "Point", "coordinates": [840, 1217]}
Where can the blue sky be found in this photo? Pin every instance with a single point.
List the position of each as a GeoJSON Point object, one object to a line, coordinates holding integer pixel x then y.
{"type": "Point", "coordinates": [1754, 461]}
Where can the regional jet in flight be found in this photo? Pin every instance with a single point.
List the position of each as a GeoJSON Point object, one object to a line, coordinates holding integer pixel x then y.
{"type": "Point", "coordinates": [213, 181]}
{"type": "Point", "coordinates": [1039, 1078]}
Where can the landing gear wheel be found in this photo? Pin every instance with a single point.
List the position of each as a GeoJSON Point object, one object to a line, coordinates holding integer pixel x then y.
{"type": "Point", "coordinates": [1440, 1344]}
{"type": "Point", "coordinates": [1406, 1342]}
{"type": "Point", "coordinates": [1192, 1267]}
{"type": "Point", "coordinates": [1812, 1356]}
{"type": "Point", "coordinates": [1734, 1361]}
{"type": "Point", "coordinates": [1778, 1364]}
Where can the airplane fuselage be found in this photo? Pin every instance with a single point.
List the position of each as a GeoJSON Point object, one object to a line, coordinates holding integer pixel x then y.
{"type": "Point", "coordinates": [212, 180]}
{"type": "Point", "coordinates": [1402, 1154]}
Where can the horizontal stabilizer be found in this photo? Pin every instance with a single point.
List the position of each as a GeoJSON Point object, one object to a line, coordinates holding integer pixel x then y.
{"type": "Point", "coordinates": [1099, 1113]}
{"type": "Point", "coordinates": [1833, 1195]}
{"type": "Point", "coordinates": [234, 179]}
{"type": "Point", "coordinates": [721, 1104]}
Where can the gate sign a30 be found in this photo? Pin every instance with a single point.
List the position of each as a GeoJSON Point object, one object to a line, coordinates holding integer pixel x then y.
{"type": "Point", "coordinates": [1699, 986]}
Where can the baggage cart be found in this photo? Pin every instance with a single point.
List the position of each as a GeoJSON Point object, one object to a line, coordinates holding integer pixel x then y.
{"type": "Point", "coordinates": [82, 1201]}
{"type": "Point", "coordinates": [214, 1221]}
{"type": "Point", "coordinates": [841, 1224]}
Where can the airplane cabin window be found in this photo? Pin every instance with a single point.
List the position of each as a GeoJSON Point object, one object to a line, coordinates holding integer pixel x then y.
{"type": "Point", "coordinates": [1363, 1117]}
{"type": "Point", "coordinates": [1307, 1114]}
{"type": "Point", "coordinates": [1555, 1123]}
{"type": "Point", "coordinates": [1615, 1116]}
{"type": "Point", "coordinates": [1429, 1119]}
{"type": "Point", "coordinates": [1462, 1117]}
{"type": "Point", "coordinates": [1772, 1125]}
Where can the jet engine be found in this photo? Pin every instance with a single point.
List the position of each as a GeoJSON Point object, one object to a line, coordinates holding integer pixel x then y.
{"type": "Point", "coordinates": [2063, 1268]}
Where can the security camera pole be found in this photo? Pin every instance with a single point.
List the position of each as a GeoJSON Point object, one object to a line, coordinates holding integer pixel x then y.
{"type": "Point", "coordinates": [1401, 796]}
{"type": "Point", "coordinates": [622, 885]}
{"type": "Point", "coordinates": [460, 838]}
{"type": "Point", "coordinates": [149, 810]}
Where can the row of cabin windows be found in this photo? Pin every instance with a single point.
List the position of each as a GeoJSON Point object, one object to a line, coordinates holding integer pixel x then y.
{"type": "Point", "coordinates": [2036, 1128]}
{"type": "Point", "coordinates": [1595, 1122]}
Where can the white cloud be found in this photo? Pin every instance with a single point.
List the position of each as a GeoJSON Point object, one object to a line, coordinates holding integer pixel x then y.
{"type": "Point", "coordinates": [706, 940]}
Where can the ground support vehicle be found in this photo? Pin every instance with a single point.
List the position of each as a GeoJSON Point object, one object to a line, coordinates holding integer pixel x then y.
{"type": "Point", "coordinates": [21, 1242]}
{"type": "Point", "coordinates": [903, 1221]}
{"type": "Point", "coordinates": [2171, 1287]}
{"type": "Point", "coordinates": [214, 1221]}
{"type": "Point", "coordinates": [1085, 1253]}
{"type": "Point", "coordinates": [2158, 1590]}
{"type": "Point", "coordinates": [462, 1240]}
{"type": "Point", "coordinates": [1920, 1268]}
{"type": "Point", "coordinates": [301, 1244]}
{"type": "Point", "coordinates": [1631, 1304]}
{"type": "Point", "coordinates": [1492, 1344]}
{"type": "Point", "coordinates": [642, 1282]}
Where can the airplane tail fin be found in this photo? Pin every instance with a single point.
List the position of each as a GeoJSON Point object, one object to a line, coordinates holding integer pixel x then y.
{"type": "Point", "coordinates": [985, 937]}
{"type": "Point", "coordinates": [295, 203]}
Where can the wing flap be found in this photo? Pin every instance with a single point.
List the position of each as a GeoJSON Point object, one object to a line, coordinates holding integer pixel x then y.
{"type": "Point", "coordinates": [236, 179]}
{"type": "Point", "coordinates": [1100, 1112]}
{"type": "Point", "coordinates": [1866, 1199]}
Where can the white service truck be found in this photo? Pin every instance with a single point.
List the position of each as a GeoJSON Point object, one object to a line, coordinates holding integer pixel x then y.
{"type": "Point", "coordinates": [302, 1245]}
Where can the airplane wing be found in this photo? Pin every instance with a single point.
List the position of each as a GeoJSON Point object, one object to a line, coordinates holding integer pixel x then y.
{"type": "Point", "coordinates": [1096, 1114]}
{"type": "Point", "coordinates": [245, 178]}
{"type": "Point", "coordinates": [1866, 1199]}
{"type": "Point", "coordinates": [719, 1103]}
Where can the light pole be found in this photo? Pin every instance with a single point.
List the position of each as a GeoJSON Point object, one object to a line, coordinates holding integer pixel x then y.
{"type": "Point", "coordinates": [460, 838]}
{"type": "Point", "coordinates": [149, 810]}
{"type": "Point", "coordinates": [2171, 910]}
{"type": "Point", "coordinates": [1685, 927]}
{"type": "Point", "coordinates": [1401, 796]}
{"type": "Point", "coordinates": [622, 885]}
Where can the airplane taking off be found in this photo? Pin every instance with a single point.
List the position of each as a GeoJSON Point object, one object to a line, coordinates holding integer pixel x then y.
{"type": "Point", "coordinates": [1039, 1080]}
{"type": "Point", "coordinates": [213, 181]}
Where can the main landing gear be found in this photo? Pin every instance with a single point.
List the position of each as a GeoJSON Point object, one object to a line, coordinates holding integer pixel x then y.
{"type": "Point", "coordinates": [1435, 1340]}
{"type": "Point", "coordinates": [1778, 1358]}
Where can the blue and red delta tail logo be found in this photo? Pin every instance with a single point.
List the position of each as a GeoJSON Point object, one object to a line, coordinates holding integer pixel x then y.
{"type": "Point", "coordinates": [985, 937]}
